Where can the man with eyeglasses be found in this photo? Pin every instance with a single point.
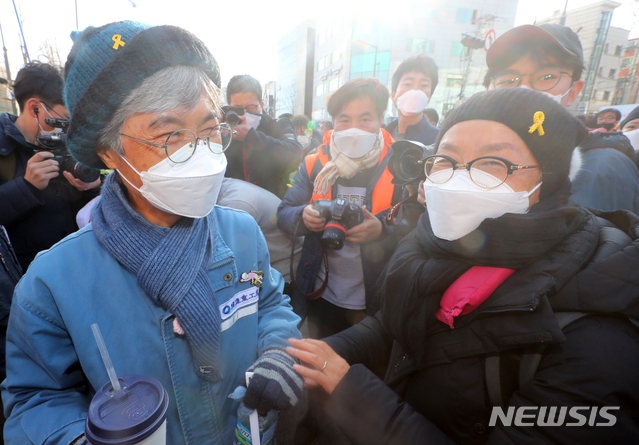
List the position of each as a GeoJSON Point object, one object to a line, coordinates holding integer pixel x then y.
{"type": "Point", "coordinates": [264, 151]}
{"type": "Point", "coordinates": [608, 119]}
{"type": "Point", "coordinates": [549, 58]}
{"type": "Point", "coordinates": [38, 205]}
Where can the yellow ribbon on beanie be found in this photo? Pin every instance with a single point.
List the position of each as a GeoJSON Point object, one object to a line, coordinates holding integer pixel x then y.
{"type": "Point", "coordinates": [117, 38]}
{"type": "Point", "coordinates": [538, 119]}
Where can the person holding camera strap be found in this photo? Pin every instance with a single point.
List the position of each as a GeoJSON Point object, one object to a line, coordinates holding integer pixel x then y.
{"type": "Point", "coordinates": [350, 169]}
{"type": "Point", "coordinates": [38, 206]}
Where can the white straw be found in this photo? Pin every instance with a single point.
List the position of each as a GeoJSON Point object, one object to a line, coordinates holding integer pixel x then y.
{"type": "Point", "coordinates": [105, 357]}
{"type": "Point", "coordinates": [255, 424]}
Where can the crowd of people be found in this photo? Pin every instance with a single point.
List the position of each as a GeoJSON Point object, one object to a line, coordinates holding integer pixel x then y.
{"type": "Point", "coordinates": [501, 277]}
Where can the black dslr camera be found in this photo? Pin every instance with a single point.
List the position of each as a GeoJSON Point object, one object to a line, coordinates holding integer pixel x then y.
{"type": "Point", "coordinates": [232, 114]}
{"type": "Point", "coordinates": [57, 144]}
{"type": "Point", "coordinates": [340, 216]}
{"type": "Point", "coordinates": [405, 163]}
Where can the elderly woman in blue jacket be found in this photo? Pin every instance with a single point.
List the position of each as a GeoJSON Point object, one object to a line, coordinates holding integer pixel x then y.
{"type": "Point", "coordinates": [182, 290]}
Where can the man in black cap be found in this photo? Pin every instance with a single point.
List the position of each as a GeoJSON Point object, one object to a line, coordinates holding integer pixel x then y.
{"type": "Point", "coordinates": [549, 58]}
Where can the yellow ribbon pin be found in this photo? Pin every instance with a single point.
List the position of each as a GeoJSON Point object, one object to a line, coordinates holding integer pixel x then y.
{"type": "Point", "coordinates": [538, 119]}
{"type": "Point", "coordinates": [117, 38]}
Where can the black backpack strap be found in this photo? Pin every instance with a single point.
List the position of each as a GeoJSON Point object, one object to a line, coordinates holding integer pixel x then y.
{"type": "Point", "coordinates": [493, 379]}
{"type": "Point", "coordinates": [527, 366]}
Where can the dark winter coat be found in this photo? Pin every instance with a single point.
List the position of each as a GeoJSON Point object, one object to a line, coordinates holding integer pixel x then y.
{"type": "Point", "coordinates": [441, 397]}
{"type": "Point", "coordinates": [608, 178]}
{"type": "Point", "coordinates": [10, 274]}
{"type": "Point", "coordinates": [35, 219]}
{"type": "Point", "coordinates": [422, 131]}
{"type": "Point", "coordinates": [267, 157]}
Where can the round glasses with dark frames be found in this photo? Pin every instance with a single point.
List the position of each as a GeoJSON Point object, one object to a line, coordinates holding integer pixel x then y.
{"type": "Point", "coordinates": [181, 144]}
{"type": "Point", "coordinates": [543, 79]}
{"type": "Point", "coordinates": [440, 169]}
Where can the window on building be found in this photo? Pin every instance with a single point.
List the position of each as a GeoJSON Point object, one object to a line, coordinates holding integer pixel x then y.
{"type": "Point", "coordinates": [618, 50]}
{"type": "Point", "coordinates": [319, 89]}
{"type": "Point", "coordinates": [322, 63]}
{"type": "Point", "coordinates": [457, 49]}
{"type": "Point", "coordinates": [421, 46]}
{"type": "Point", "coordinates": [434, 14]}
{"type": "Point", "coordinates": [336, 56]}
{"type": "Point", "coordinates": [612, 73]}
{"type": "Point", "coordinates": [454, 80]}
{"type": "Point", "coordinates": [335, 83]}
{"type": "Point", "coordinates": [625, 63]}
{"type": "Point", "coordinates": [465, 15]}
{"type": "Point", "coordinates": [606, 49]}
{"type": "Point", "coordinates": [601, 71]}
{"type": "Point", "coordinates": [321, 37]}
{"type": "Point", "coordinates": [606, 95]}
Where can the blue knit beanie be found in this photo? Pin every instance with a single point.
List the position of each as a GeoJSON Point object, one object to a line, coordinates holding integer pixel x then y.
{"type": "Point", "coordinates": [107, 63]}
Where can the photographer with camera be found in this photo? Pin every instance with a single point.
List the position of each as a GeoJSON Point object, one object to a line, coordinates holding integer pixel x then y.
{"type": "Point", "coordinates": [38, 205]}
{"type": "Point", "coordinates": [264, 151]}
{"type": "Point", "coordinates": [338, 200]}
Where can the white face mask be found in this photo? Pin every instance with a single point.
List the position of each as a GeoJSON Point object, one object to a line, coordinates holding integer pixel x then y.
{"type": "Point", "coordinates": [546, 93]}
{"type": "Point", "coordinates": [412, 102]}
{"type": "Point", "coordinates": [188, 189]}
{"type": "Point", "coordinates": [633, 135]}
{"type": "Point", "coordinates": [353, 142]}
{"type": "Point", "coordinates": [458, 206]}
{"type": "Point", "coordinates": [252, 120]}
{"type": "Point", "coordinates": [303, 140]}
{"type": "Point", "coordinates": [47, 132]}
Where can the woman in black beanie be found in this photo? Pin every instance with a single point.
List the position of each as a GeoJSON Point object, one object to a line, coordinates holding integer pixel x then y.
{"type": "Point", "coordinates": [509, 312]}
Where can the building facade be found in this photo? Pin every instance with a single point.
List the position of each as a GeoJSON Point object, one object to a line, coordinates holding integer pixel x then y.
{"type": "Point", "coordinates": [295, 61]}
{"type": "Point", "coordinates": [350, 48]}
{"type": "Point", "coordinates": [603, 47]}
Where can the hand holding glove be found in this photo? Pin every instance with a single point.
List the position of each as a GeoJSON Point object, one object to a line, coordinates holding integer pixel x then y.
{"type": "Point", "coordinates": [274, 385]}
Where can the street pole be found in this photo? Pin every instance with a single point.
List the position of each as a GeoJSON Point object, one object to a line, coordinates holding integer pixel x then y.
{"type": "Point", "coordinates": [8, 70]}
{"type": "Point", "coordinates": [77, 28]}
{"type": "Point", "coordinates": [375, 62]}
{"type": "Point", "coordinates": [21, 31]}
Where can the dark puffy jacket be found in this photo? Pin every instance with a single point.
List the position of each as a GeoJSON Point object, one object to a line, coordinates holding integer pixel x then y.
{"type": "Point", "coordinates": [10, 274]}
{"type": "Point", "coordinates": [35, 219]}
{"type": "Point", "coordinates": [608, 178]}
{"type": "Point", "coordinates": [422, 131]}
{"type": "Point", "coordinates": [445, 399]}
{"type": "Point", "coordinates": [267, 157]}
{"type": "Point", "coordinates": [374, 254]}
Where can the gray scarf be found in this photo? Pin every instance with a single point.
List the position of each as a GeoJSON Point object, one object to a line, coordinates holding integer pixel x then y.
{"type": "Point", "coordinates": [170, 265]}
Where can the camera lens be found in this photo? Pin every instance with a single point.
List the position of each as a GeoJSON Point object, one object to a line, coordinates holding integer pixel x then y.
{"type": "Point", "coordinates": [80, 171]}
{"type": "Point", "coordinates": [232, 118]}
{"type": "Point", "coordinates": [334, 235]}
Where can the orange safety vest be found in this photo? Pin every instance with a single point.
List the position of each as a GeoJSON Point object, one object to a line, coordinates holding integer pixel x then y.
{"type": "Point", "coordinates": [383, 190]}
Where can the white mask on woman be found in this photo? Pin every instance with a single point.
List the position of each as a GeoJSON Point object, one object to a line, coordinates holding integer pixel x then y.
{"type": "Point", "coordinates": [459, 206]}
{"type": "Point", "coordinates": [412, 102]}
{"type": "Point", "coordinates": [633, 135]}
{"type": "Point", "coordinates": [353, 142]}
{"type": "Point", "coordinates": [187, 189]}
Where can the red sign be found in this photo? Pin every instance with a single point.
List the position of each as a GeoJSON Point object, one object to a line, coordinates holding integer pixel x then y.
{"type": "Point", "coordinates": [491, 36]}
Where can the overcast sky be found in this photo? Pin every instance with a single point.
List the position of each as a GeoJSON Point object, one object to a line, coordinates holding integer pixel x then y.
{"type": "Point", "coordinates": [242, 34]}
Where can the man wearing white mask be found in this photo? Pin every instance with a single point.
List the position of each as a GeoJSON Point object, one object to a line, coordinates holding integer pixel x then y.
{"type": "Point", "coordinates": [413, 85]}
{"type": "Point", "coordinates": [335, 287]}
{"type": "Point", "coordinates": [264, 152]}
{"type": "Point", "coordinates": [549, 58]}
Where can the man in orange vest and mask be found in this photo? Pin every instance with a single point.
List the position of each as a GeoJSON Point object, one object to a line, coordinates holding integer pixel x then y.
{"type": "Point", "coordinates": [334, 288]}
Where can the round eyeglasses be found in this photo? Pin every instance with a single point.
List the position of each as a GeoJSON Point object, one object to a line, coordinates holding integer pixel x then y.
{"type": "Point", "coordinates": [541, 80]}
{"type": "Point", "coordinates": [440, 169]}
{"type": "Point", "coordinates": [181, 144]}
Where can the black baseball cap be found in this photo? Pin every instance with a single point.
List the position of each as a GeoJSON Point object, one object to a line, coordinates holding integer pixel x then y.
{"type": "Point", "coordinates": [560, 35]}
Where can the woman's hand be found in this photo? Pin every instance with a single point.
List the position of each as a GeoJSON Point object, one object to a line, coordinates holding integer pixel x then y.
{"type": "Point", "coordinates": [322, 366]}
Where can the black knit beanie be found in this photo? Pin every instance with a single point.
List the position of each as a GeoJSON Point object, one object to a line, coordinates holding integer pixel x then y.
{"type": "Point", "coordinates": [634, 114]}
{"type": "Point", "coordinates": [549, 131]}
{"type": "Point", "coordinates": [107, 63]}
